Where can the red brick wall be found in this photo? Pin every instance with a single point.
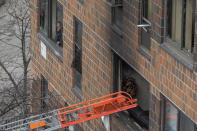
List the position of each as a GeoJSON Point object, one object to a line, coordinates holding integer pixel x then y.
{"type": "Point", "coordinates": [165, 74]}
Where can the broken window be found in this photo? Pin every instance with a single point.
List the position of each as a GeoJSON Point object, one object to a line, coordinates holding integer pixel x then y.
{"type": "Point", "coordinates": [77, 62]}
{"type": "Point", "coordinates": [117, 13]}
{"type": "Point", "coordinates": [128, 80]}
{"type": "Point", "coordinates": [51, 20]}
{"type": "Point", "coordinates": [44, 94]}
{"type": "Point", "coordinates": [180, 23]}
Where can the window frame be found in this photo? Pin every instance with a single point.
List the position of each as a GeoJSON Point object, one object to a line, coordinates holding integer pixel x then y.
{"type": "Point", "coordinates": [168, 30]}
{"type": "Point", "coordinates": [145, 20]}
{"type": "Point", "coordinates": [50, 31]}
{"type": "Point", "coordinates": [180, 114]}
{"type": "Point", "coordinates": [77, 66]}
{"type": "Point", "coordinates": [44, 95]}
{"type": "Point", "coordinates": [114, 16]}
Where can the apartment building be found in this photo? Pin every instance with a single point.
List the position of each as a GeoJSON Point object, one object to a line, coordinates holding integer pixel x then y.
{"type": "Point", "coordinates": [83, 49]}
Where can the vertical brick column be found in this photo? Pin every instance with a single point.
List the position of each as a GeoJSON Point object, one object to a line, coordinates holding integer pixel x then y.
{"type": "Point", "coordinates": [154, 113]}
{"type": "Point", "coordinates": [158, 20]}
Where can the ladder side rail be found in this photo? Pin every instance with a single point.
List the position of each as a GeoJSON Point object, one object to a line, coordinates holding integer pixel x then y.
{"type": "Point", "coordinates": [61, 110]}
{"type": "Point", "coordinates": [27, 123]}
{"type": "Point", "coordinates": [128, 103]}
{"type": "Point", "coordinates": [28, 120]}
{"type": "Point", "coordinates": [94, 100]}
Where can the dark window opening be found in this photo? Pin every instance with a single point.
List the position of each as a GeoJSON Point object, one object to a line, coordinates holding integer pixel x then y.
{"type": "Point", "coordinates": [51, 20]}
{"type": "Point", "coordinates": [126, 79]}
{"type": "Point", "coordinates": [77, 62]}
{"type": "Point", "coordinates": [117, 13]}
{"type": "Point", "coordinates": [176, 120]}
{"type": "Point", "coordinates": [117, 16]}
{"type": "Point", "coordinates": [181, 23]}
{"type": "Point", "coordinates": [147, 9]}
{"type": "Point", "coordinates": [44, 94]}
{"type": "Point", "coordinates": [146, 20]}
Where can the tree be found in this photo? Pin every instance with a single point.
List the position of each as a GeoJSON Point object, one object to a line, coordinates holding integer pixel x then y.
{"type": "Point", "coordinates": [15, 96]}
{"type": "Point", "coordinates": [14, 62]}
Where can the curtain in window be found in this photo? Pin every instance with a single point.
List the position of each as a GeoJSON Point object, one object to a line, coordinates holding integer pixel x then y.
{"type": "Point", "coordinates": [171, 117]}
{"type": "Point", "coordinates": [53, 19]}
{"type": "Point", "coordinates": [149, 10]}
{"type": "Point", "coordinates": [44, 16]}
{"type": "Point", "coordinates": [188, 25]}
{"type": "Point", "coordinates": [176, 21]}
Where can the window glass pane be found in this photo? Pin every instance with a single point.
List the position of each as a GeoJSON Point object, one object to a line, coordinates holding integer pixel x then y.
{"type": "Point", "coordinates": [147, 9]}
{"type": "Point", "coordinates": [59, 23]}
{"type": "Point", "coordinates": [43, 16]}
{"type": "Point", "coordinates": [59, 12]}
{"type": "Point", "coordinates": [77, 79]}
{"type": "Point", "coordinates": [171, 117]}
{"type": "Point", "coordinates": [118, 12]}
{"type": "Point", "coordinates": [44, 94]}
{"type": "Point", "coordinates": [185, 123]}
{"type": "Point", "coordinates": [188, 25]}
{"type": "Point", "coordinates": [78, 33]}
{"type": "Point", "coordinates": [53, 19]}
{"type": "Point", "coordinates": [169, 18]}
{"type": "Point", "coordinates": [176, 23]}
{"type": "Point", "coordinates": [78, 60]}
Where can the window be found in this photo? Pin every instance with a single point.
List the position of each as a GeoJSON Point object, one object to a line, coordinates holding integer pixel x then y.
{"type": "Point", "coordinates": [117, 13]}
{"type": "Point", "coordinates": [127, 79]}
{"type": "Point", "coordinates": [180, 23]}
{"type": "Point", "coordinates": [146, 20]}
{"type": "Point", "coordinates": [51, 20]}
{"type": "Point", "coordinates": [77, 62]}
{"type": "Point", "coordinates": [171, 115]}
{"type": "Point", "coordinates": [175, 120]}
{"type": "Point", "coordinates": [44, 15]}
{"type": "Point", "coordinates": [44, 94]}
{"type": "Point", "coordinates": [147, 9]}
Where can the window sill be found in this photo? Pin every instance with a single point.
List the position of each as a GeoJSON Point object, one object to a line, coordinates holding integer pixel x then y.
{"type": "Point", "coordinates": [183, 57]}
{"type": "Point", "coordinates": [128, 122]}
{"type": "Point", "coordinates": [77, 92]}
{"type": "Point", "coordinates": [144, 52]}
{"type": "Point", "coordinates": [117, 30]}
{"type": "Point", "coordinates": [51, 45]}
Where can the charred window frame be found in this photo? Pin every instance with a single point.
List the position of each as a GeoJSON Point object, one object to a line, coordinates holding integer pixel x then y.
{"type": "Point", "coordinates": [44, 94]}
{"type": "Point", "coordinates": [181, 26]}
{"type": "Point", "coordinates": [117, 13]}
{"type": "Point", "coordinates": [51, 13]}
{"type": "Point", "coordinates": [174, 119]}
{"type": "Point", "coordinates": [77, 62]}
{"type": "Point", "coordinates": [117, 73]}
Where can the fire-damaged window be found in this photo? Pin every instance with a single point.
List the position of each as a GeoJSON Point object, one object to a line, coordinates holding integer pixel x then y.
{"type": "Point", "coordinates": [176, 120]}
{"type": "Point", "coordinates": [44, 94]}
{"type": "Point", "coordinates": [126, 79]}
{"type": "Point", "coordinates": [117, 13]}
{"type": "Point", "coordinates": [77, 62]}
{"type": "Point", "coordinates": [51, 20]}
{"type": "Point", "coordinates": [181, 23]}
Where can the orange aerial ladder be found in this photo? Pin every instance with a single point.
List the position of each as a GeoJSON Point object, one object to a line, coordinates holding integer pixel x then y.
{"type": "Point", "coordinates": [74, 114]}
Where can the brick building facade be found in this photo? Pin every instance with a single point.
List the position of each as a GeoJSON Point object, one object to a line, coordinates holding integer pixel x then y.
{"type": "Point", "coordinates": [105, 42]}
